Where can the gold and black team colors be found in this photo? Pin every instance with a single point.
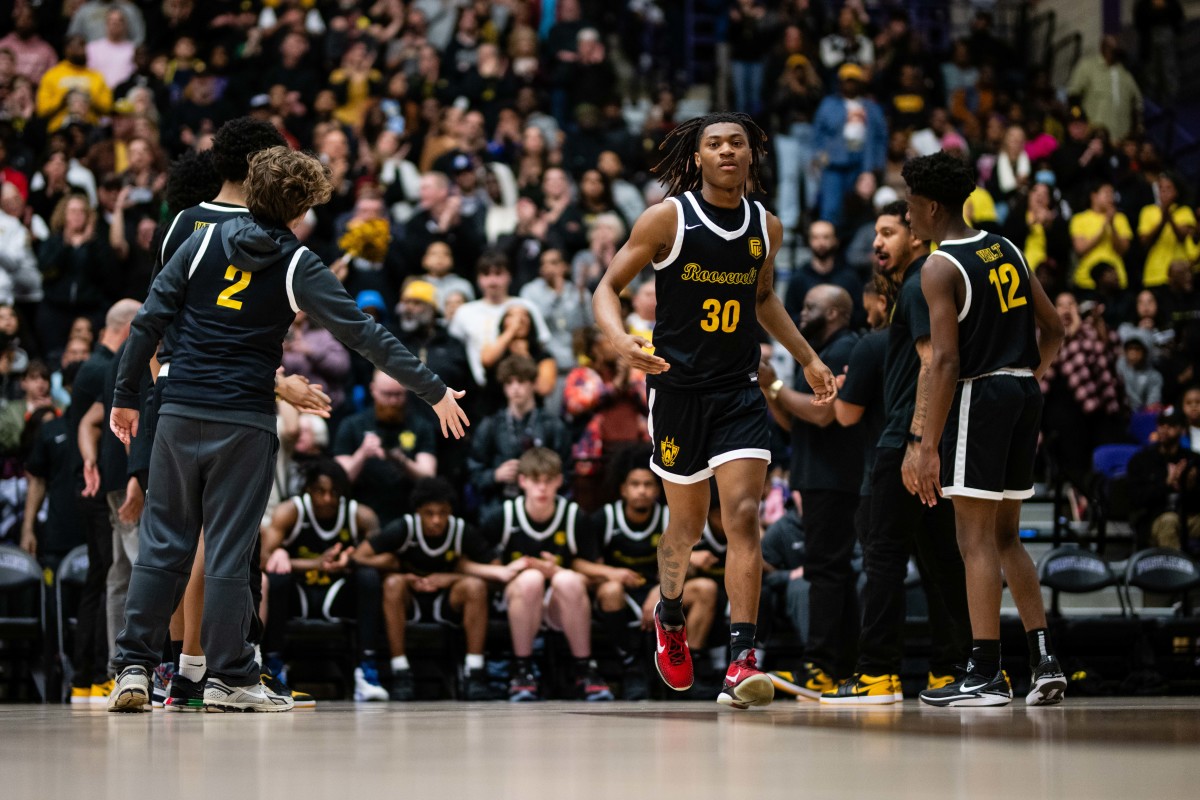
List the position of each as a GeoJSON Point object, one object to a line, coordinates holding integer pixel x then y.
{"type": "Point", "coordinates": [623, 546]}
{"type": "Point", "coordinates": [707, 409]}
{"type": "Point", "coordinates": [562, 537]}
{"type": "Point", "coordinates": [990, 438]}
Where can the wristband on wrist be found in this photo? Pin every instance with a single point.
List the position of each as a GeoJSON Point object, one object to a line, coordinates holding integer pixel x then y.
{"type": "Point", "coordinates": [914, 438]}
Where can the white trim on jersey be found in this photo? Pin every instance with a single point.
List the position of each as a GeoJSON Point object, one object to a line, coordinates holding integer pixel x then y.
{"type": "Point", "coordinates": [208, 232]}
{"type": "Point", "coordinates": [728, 236]}
{"type": "Point", "coordinates": [711, 538]}
{"type": "Point", "coordinates": [623, 524]}
{"type": "Point", "coordinates": [979, 235]}
{"type": "Point", "coordinates": [650, 419]}
{"type": "Point", "coordinates": [960, 446]}
{"type": "Point", "coordinates": [674, 254]}
{"type": "Point", "coordinates": [966, 309]}
{"type": "Point", "coordinates": [551, 526]}
{"type": "Point", "coordinates": [291, 275]}
{"type": "Point", "coordinates": [743, 452]}
{"type": "Point", "coordinates": [977, 494]}
{"type": "Point", "coordinates": [224, 209]}
{"type": "Point", "coordinates": [1021, 494]}
{"type": "Point", "coordinates": [762, 217]}
{"type": "Point", "coordinates": [322, 533]}
{"type": "Point", "coordinates": [163, 252]}
{"type": "Point", "coordinates": [452, 536]}
{"type": "Point", "coordinates": [572, 514]}
{"type": "Point", "coordinates": [1021, 256]}
{"type": "Point", "coordinates": [685, 480]}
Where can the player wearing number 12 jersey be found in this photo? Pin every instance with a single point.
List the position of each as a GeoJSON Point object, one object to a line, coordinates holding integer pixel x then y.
{"type": "Point", "coordinates": [713, 255]}
{"type": "Point", "coordinates": [984, 308]}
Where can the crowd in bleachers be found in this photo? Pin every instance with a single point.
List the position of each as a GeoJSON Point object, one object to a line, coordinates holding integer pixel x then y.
{"type": "Point", "coordinates": [489, 157]}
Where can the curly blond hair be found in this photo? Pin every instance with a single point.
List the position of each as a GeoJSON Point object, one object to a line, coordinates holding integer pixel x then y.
{"type": "Point", "coordinates": [283, 184]}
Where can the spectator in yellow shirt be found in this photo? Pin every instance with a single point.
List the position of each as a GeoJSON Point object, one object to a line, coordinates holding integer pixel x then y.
{"type": "Point", "coordinates": [69, 79]}
{"type": "Point", "coordinates": [1167, 230]}
{"type": "Point", "coordinates": [1100, 234]}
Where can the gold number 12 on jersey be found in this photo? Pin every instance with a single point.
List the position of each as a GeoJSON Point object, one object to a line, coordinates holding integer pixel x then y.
{"type": "Point", "coordinates": [1006, 274]}
{"type": "Point", "coordinates": [225, 298]}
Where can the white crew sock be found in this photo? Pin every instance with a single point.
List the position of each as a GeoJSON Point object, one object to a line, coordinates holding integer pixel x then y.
{"type": "Point", "coordinates": [474, 661]}
{"type": "Point", "coordinates": [399, 663]}
{"type": "Point", "coordinates": [192, 667]}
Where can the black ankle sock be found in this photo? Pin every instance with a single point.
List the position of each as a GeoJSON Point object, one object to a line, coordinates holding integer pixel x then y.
{"type": "Point", "coordinates": [176, 650]}
{"type": "Point", "coordinates": [985, 655]}
{"type": "Point", "coordinates": [1039, 645]}
{"type": "Point", "coordinates": [741, 638]}
{"type": "Point", "coordinates": [670, 611]}
{"type": "Point", "coordinates": [582, 665]}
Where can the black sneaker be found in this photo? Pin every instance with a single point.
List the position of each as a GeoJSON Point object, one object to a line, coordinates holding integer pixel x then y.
{"type": "Point", "coordinates": [185, 695]}
{"type": "Point", "coordinates": [972, 689]}
{"type": "Point", "coordinates": [635, 683]}
{"type": "Point", "coordinates": [402, 689]}
{"type": "Point", "coordinates": [523, 687]}
{"type": "Point", "coordinates": [476, 687]}
{"type": "Point", "coordinates": [591, 687]}
{"type": "Point", "coordinates": [1048, 684]}
{"type": "Point", "coordinates": [301, 699]}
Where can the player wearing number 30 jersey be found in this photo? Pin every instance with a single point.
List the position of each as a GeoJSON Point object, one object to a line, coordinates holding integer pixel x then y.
{"type": "Point", "coordinates": [985, 406]}
{"type": "Point", "coordinates": [713, 255]}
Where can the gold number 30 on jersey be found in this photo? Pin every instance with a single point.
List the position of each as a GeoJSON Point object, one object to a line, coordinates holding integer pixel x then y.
{"type": "Point", "coordinates": [242, 278]}
{"type": "Point", "coordinates": [723, 317]}
{"type": "Point", "coordinates": [1007, 275]}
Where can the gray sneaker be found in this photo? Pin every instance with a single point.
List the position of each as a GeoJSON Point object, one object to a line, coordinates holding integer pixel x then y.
{"type": "Point", "coordinates": [220, 696]}
{"type": "Point", "coordinates": [131, 691]}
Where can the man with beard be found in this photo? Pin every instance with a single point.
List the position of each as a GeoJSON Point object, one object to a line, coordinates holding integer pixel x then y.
{"type": "Point", "coordinates": [827, 464]}
{"type": "Point", "coordinates": [827, 265]}
{"type": "Point", "coordinates": [898, 522]}
{"type": "Point", "coordinates": [385, 449]}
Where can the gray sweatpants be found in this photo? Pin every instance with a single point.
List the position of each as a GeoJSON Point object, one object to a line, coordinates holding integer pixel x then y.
{"type": "Point", "coordinates": [125, 550]}
{"type": "Point", "coordinates": [211, 474]}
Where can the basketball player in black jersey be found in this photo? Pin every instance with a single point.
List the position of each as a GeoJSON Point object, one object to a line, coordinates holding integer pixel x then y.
{"type": "Point", "coordinates": [438, 566]}
{"type": "Point", "coordinates": [986, 310]}
{"type": "Point", "coordinates": [235, 289]}
{"type": "Point", "coordinates": [713, 254]}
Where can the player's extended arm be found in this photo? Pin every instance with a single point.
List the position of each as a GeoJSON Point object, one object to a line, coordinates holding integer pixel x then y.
{"type": "Point", "coordinates": [848, 413]}
{"type": "Point", "coordinates": [34, 496]}
{"type": "Point", "coordinates": [652, 237]}
{"type": "Point", "coordinates": [778, 323]}
{"type": "Point", "coordinates": [1050, 328]}
{"type": "Point", "coordinates": [321, 295]}
{"type": "Point", "coordinates": [366, 556]}
{"type": "Point", "coordinates": [89, 447]}
{"type": "Point", "coordinates": [938, 282]}
{"type": "Point", "coordinates": [159, 310]}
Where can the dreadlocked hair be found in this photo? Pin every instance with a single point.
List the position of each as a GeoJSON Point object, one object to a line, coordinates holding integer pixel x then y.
{"type": "Point", "coordinates": [678, 169]}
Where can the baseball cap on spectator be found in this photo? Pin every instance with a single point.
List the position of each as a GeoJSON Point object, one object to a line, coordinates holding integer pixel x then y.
{"type": "Point", "coordinates": [124, 106]}
{"type": "Point", "coordinates": [368, 299]}
{"type": "Point", "coordinates": [1170, 416]}
{"type": "Point", "coordinates": [883, 196]}
{"type": "Point", "coordinates": [420, 291]}
{"type": "Point", "coordinates": [1077, 114]}
{"type": "Point", "coordinates": [852, 72]}
{"type": "Point", "coordinates": [461, 163]}
{"type": "Point", "coordinates": [259, 101]}
{"type": "Point", "coordinates": [954, 141]}
{"type": "Point", "coordinates": [796, 60]}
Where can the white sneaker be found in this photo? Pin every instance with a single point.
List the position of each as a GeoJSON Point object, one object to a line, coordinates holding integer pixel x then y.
{"type": "Point", "coordinates": [367, 688]}
{"type": "Point", "coordinates": [220, 696]}
{"type": "Point", "coordinates": [131, 692]}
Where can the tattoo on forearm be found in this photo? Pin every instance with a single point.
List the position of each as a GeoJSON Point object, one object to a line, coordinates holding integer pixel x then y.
{"type": "Point", "coordinates": [922, 406]}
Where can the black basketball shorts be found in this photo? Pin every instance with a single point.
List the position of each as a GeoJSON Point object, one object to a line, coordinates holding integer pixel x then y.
{"type": "Point", "coordinates": [694, 432]}
{"type": "Point", "coordinates": [991, 437]}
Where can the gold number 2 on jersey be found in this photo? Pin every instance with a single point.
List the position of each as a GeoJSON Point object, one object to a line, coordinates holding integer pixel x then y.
{"type": "Point", "coordinates": [1006, 274]}
{"type": "Point", "coordinates": [225, 298]}
{"type": "Point", "coordinates": [725, 318]}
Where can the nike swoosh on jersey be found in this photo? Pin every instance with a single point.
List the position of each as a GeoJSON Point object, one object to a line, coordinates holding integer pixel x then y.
{"type": "Point", "coordinates": [689, 227]}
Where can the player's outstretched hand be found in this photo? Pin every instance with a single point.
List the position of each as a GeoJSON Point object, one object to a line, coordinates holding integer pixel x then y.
{"type": "Point", "coordinates": [630, 348]}
{"type": "Point", "coordinates": [821, 379]}
{"type": "Point", "coordinates": [451, 415]}
{"type": "Point", "coordinates": [124, 424]}
{"type": "Point", "coordinates": [929, 475]}
{"type": "Point", "coordinates": [308, 398]}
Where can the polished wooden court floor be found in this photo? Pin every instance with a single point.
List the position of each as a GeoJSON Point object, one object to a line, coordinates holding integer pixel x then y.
{"type": "Point", "coordinates": [1091, 749]}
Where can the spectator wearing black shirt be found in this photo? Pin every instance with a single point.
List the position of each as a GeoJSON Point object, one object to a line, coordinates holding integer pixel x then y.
{"type": "Point", "coordinates": [827, 266]}
{"type": "Point", "coordinates": [1164, 487]}
{"type": "Point", "coordinates": [827, 462]}
{"type": "Point", "coordinates": [51, 474]}
{"type": "Point", "coordinates": [385, 449]}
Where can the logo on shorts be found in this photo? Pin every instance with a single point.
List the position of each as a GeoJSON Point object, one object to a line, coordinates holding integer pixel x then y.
{"type": "Point", "coordinates": [756, 247]}
{"type": "Point", "coordinates": [669, 451]}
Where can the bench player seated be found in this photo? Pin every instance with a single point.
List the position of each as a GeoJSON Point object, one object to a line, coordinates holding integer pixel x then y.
{"type": "Point", "coordinates": [311, 573]}
{"type": "Point", "coordinates": [438, 565]}
{"type": "Point", "coordinates": [628, 531]}
{"type": "Point", "coordinates": [538, 537]}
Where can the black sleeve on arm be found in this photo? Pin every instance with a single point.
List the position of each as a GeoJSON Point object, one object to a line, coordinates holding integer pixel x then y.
{"type": "Point", "coordinates": [864, 375]}
{"type": "Point", "coordinates": [321, 295]}
{"type": "Point", "coordinates": [159, 310]}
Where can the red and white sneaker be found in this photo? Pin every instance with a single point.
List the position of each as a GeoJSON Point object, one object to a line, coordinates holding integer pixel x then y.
{"type": "Point", "coordinates": [672, 657]}
{"type": "Point", "coordinates": [745, 685]}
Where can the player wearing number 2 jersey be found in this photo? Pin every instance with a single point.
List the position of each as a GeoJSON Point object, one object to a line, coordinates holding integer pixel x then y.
{"type": "Point", "coordinates": [985, 407]}
{"type": "Point", "coordinates": [233, 290]}
{"type": "Point", "coordinates": [713, 253]}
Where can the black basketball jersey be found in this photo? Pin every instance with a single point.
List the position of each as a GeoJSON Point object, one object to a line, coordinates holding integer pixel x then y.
{"type": "Point", "coordinates": [710, 543]}
{"type": "Point", "coordinates": [421, 555]}
{"type": "Point", "coordinates": [230, 329]}
{"type": "Point", "coordinates": [186, 223]}
{"type": "Point", "coordinates": [706, 326]}
{"type": "Point", "coordinates": [559, 536]}
{"type": "Point", "coordinates": [996, 329]}
{"type": "Point", "coordinates": [633, 549]}
{"type": "Point", "coordinates": [309, 539]}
